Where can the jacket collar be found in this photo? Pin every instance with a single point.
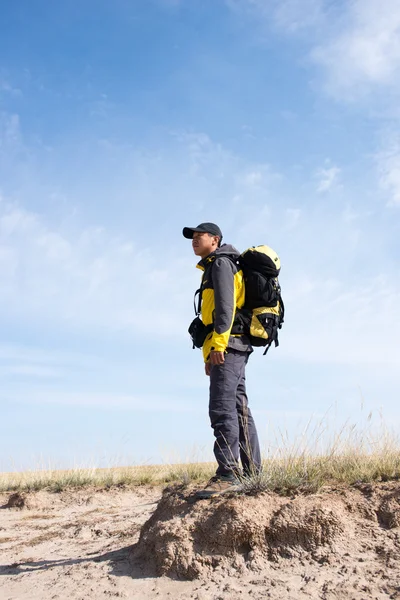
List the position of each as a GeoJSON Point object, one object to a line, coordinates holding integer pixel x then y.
{"type": "Point", "coordinates": [205, 262]}
{"type": "Point", "coordinates": [224, 250]}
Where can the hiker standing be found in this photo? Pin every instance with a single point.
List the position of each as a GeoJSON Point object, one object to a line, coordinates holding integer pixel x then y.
{"type": "Point", "coordinates": [225, 355]}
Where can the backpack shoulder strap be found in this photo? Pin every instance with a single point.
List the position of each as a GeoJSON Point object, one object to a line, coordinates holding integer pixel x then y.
{"type": "Point", "coordinates": [197, 305]}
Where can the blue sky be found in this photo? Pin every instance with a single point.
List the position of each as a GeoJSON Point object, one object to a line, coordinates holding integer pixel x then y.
{"type": "Point", "coordinates": [120, 123]}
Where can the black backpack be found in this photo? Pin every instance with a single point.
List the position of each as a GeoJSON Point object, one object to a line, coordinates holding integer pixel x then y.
{"type": "Point", "coordinates": [263, 312]}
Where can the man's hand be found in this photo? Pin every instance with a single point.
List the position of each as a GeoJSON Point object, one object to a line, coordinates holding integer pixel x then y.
{"type": "Point", "coordinates": [208, 366]}
{"type": "Point", "coordinates": [217, 358]}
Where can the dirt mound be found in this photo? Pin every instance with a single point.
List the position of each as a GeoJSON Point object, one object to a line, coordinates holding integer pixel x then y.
{"type": "Point", "coordinates": [389, 511]}
{"type": "Point", "coordinates": [16, 500]}
{"type": "Point", "coordinates": [241, 534]}
{"type": "Point", "coordinates": [305, 524]}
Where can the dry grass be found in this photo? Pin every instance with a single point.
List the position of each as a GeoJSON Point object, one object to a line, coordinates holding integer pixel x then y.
{"type": "Point", "coordinates": [350, 456]}
{"type": "Point", "coordinates": [310, 473]}
{"type": "Point", "coordinates": [283, 474]}
{"type": "Point", "coordinates": [313, 460]}
{"type": "Point", "coordinates": [56, 481]}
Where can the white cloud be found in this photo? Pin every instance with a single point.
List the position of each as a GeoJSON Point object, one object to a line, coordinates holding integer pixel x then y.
{"type": "Point", "coordinates": [85, 279]}
{"type": "Point", "coordinates": [32, 374]}
{"type": "Point", "coordinates": [7, 88]}
{"type": "Point", "coordinates": [343, 324]}
{"type": "Point", "coordinates": [24, 370]}
{"type": "Point", "coordinates": [89, 279]}
{"type": "Point", "coordinates": [363, 50]}
{"type": "Point", "coordinates": [356, 43]}
{"type": "Point", "coordinates": [349, 215]}
{"type": "Point", "coordinates": [146, 403]}
{"type": "Point", "coordinates": [9, 130]}
{"type": "Point", "coordinates": [292, 217]}
{"type": "Point", "coordinates": [255, 176]}
{"type": "Point", "coordinates": [205, 154]}
{"type": "Point", "coordinates": [290, 15]}
{"type": "Point", "coordinates": [295, 15]}
{"type": "Point", "coordinates": [327, 178]}
{"type": "Point", "coordinates": [36, 357]}
{"type": "Point", "coordinates": [388, 161]}
{"type": "Point", "coordinates": [252, 178]}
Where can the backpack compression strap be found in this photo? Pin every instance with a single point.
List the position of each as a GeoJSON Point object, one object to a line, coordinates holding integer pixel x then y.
{"type": "Point", "coordinates": [275, 337]}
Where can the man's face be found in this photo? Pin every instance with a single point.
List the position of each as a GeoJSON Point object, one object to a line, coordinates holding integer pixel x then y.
{"type": "Point", "coordinates": [204, 243]}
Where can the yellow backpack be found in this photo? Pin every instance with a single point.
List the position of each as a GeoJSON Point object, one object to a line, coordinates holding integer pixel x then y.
{"type": "Point", "coordinates": [263, 313]}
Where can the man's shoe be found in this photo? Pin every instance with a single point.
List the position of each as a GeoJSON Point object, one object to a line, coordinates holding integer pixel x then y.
{"type": "Point", "coordinates": [217, 486]}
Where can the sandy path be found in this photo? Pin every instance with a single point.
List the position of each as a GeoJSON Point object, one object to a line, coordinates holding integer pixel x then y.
{"type": "Point", "coordinates": [78, 545]}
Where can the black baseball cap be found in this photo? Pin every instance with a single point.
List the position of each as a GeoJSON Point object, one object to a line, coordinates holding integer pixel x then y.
{"type": "Point", "coordinates": [211, 228]}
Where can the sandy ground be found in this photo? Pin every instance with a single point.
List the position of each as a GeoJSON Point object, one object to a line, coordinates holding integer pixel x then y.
{"type": "Point", "coordinates": [76, 545]}
{"type": "Point", "coordinates": [83, 545]}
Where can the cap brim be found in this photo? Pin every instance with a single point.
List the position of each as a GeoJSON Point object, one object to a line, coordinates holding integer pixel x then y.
{"type": "Point", "coordinates": [188, 232]}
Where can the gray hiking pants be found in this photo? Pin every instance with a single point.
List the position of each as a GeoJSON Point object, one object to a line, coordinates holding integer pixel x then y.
{"type": "Point", "coordinates": [231, 419]}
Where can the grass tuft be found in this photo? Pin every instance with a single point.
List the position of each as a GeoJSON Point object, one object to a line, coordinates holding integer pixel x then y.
{"type": "Point", "coordinates": [351, 457]}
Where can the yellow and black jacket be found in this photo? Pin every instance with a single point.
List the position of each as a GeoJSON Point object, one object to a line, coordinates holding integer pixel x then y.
{"type": "Point", "coordinates": [222, 293]}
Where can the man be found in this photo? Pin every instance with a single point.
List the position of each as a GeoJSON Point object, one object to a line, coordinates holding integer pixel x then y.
{"type": "Point", "coordinates": [225, 356]}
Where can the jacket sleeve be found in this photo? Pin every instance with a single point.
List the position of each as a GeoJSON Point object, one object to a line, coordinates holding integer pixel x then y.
{"type": "Point", "coordinates": [225, 302]}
